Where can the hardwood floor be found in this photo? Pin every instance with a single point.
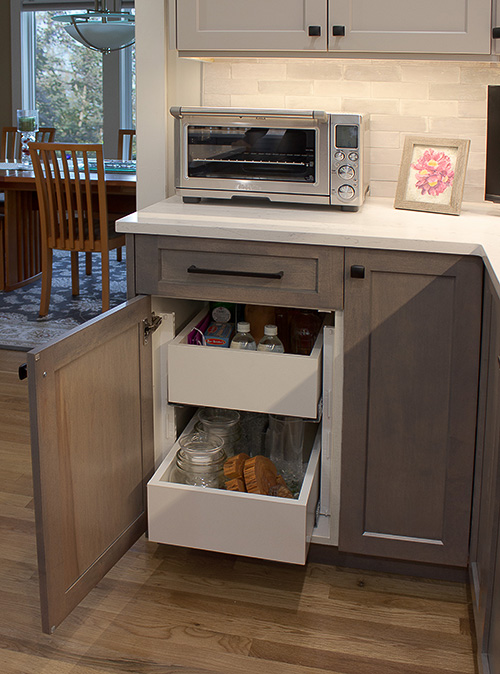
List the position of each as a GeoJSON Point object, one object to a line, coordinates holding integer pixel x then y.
{"type": "Point", "coordinates": [165, 610]}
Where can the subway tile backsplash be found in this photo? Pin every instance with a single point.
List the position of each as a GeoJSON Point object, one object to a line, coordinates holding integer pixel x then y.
{"type": "Point", "coordinates": [438, 98]}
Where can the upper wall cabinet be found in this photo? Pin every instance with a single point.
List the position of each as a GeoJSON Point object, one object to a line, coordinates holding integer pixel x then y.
{"type": "Point", "coordinates": [406, 26]}
{"type": "Point", "coordinates": [377, 26]}
{"type": "Point", "coordinates": [262, 25]}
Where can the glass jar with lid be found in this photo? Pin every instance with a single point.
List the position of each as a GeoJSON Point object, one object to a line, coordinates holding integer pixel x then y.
{"type": "Point", "coordinates": [200, 461]}
{"type": "Point", "coordinates": [221, 423]}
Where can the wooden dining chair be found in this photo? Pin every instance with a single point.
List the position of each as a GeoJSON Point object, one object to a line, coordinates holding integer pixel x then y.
{"type": "Point", "coordinates": [45, 134]}
{"type": "Point", "coordinates": [10, 144]}
{"type": "Point", "coordinates": [73, 210]}
{"type": "Point", "coordinates": [10, 141]}
{"type": "Point", "coordinates": [126, 143]}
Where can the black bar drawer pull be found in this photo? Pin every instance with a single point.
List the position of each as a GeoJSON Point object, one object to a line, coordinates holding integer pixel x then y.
{"type": "Point", "coordinates": [357, 271]}
{"type": "Point", "coordinates": [193, 269]}
{"type": "Point", "coordinates": [314, 31]}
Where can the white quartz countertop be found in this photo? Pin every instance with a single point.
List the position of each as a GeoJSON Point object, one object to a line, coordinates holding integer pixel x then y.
{"type": "Point", "coordinates": [377, 224]}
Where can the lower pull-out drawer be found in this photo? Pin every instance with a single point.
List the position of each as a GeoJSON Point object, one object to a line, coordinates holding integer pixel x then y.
{"type": "Point", "coordinates": [251, 525]}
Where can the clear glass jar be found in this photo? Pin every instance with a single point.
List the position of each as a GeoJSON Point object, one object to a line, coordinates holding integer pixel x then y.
{"type": "Point", "coordinates": [200, 461]}
{"type": "Point", "coordinates": [224, 424]}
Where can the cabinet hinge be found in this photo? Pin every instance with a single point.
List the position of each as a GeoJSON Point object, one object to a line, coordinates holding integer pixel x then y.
{"type": "Point", "coordinates": [320, 512]}
{"type": "Point", "coordinates": [150, 325]}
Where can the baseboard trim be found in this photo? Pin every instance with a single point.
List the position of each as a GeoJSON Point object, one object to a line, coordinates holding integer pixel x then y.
{"type": "Point", "coordinates": [325, 554]}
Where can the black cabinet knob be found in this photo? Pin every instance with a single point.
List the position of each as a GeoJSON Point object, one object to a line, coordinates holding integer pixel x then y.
{"type": "Point", "coordinates": [314, 31]}
{"type": "Point", "coordinates": [338, 31]}
{"type": "Point", "coordinates": [495, 33]}
{"type": "Point", "coordinates": [357, 271]}
{"type": "Point", "coordinates": [23, 371]}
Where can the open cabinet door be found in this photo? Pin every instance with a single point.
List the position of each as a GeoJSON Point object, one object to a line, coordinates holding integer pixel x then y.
{"type": "Point", "coordinates": [92, 452]}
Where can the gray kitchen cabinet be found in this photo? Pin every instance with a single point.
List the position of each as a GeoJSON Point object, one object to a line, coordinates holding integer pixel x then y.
{"type": "Point", "coordinates": [485, 511]}
{"type": "Point", "coordinates": [448, 27]}
{"type": "Point", "coordinates": [109, 400]}
{"type": "Point", "coordinates": [101, 418]}
{"type": "Point", "coordinates": [298, 26]}
{"type": "Point", "coordinates": [237, 25]}
{"type": "Point", "coordinates": [411, 358]}
{"type": "Point", "coordinates": [485, 578]}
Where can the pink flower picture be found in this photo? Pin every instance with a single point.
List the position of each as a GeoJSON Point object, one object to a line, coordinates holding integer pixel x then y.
{"type": "Point", "coordinates": [433, 172]}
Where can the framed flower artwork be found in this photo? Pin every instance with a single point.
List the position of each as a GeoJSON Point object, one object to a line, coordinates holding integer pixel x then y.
{"type": "Point", "coordinates": [432, 174]}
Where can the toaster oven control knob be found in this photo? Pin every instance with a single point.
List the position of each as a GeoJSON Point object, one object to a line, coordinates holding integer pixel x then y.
{"type": "Point", "coordinates": [339, 155]}
{"type": "Point", "coordinates": [353, 156]}
{"type": "Point", "coordinates": [346, 172]}
{"type": "Point", "coordinates": [346, 192]}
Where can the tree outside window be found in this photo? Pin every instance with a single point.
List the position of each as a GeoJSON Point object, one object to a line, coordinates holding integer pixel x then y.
{"type": "Point", "coordinates": [68, 83]}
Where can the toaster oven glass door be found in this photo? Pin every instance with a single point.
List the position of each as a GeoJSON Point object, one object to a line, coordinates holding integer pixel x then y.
{"type": "Point", "coordinates": [255, 156]}
{"type": "Point", "coordinates": [252, 153]}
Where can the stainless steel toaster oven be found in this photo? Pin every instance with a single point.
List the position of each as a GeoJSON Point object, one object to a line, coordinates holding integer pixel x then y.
{"type": "Point", "coordinates": [301, 156]}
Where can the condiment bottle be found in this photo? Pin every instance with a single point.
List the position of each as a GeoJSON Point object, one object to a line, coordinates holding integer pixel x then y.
{"type": "Point", "coordinates": [304, 328]}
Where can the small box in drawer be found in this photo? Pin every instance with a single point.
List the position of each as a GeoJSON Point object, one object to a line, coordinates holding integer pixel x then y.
{"type": "Point", "coordinates": [277, 383]}
{"type": "Point", "coordinates": [237, 523]}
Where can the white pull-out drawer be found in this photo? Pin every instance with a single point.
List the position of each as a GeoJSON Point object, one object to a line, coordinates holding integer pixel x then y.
{"type": "Point", "coordinates": [238, 523]}
{"type": "Point", "coordinates": [277, 383]}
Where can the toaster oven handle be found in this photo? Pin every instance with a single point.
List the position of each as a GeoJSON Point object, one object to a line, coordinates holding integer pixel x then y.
{"type": "Point", "coordinates": [253, 113]}
{"type": "Point", "coordinates": [193, 269]}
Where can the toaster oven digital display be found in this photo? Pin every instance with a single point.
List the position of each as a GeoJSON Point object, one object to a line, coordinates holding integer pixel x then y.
{"type": "Point", "coordinates": [346, 136]}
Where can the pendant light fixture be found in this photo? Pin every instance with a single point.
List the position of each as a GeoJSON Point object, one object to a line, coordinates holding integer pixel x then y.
{"type": "Point", "coordinates": [101, 29]}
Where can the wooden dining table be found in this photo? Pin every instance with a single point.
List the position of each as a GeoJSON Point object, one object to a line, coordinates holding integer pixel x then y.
{"type": "Point", "coordinates": [20, 239]}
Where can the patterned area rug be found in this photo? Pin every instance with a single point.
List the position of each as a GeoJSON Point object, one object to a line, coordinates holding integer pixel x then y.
{"type": "Point", "coordinates": [20, 326]}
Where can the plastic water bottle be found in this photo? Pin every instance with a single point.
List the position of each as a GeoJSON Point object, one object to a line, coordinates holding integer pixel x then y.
{"type": "Point", "coordinates": [271, 341]}
{"type": "Point", "coordinates": [243, 339]}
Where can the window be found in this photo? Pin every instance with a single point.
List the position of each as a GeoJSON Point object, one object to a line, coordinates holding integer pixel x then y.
{"type": "Point", "coordinates": [68, 83]}
{"type": "Point", "coordinates": [86, 96]}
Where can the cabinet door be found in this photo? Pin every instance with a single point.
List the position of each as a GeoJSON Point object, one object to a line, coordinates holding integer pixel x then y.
{"type": "Point", "coordinates": [447, 27]}
{"type": "Point", "coordinates": [236, 25]}
{"type": "Point", "coordinates": [485, 518]}
{"type": "Point", "coordinates": [92, 452]}
{"type": "Point", "coordinates": [412, 329]}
